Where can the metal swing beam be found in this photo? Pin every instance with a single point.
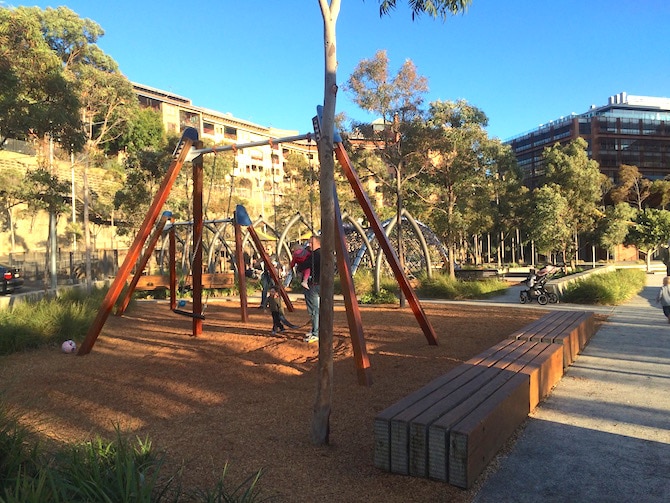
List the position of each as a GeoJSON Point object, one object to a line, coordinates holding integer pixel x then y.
{"type": "Point", "coordinates": [259, 143]}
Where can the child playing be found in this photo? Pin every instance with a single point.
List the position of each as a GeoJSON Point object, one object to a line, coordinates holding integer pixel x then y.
{"type": "Point", "coordinates": [664, 297]}
{"type": "Point", "coordinates": [300, 258]}
{"type": "Point", "coordinates": [276, 309]}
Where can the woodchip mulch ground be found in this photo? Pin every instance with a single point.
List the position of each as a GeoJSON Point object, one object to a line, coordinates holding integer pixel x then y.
{"type": "Point", "coordinates": [241, 396]}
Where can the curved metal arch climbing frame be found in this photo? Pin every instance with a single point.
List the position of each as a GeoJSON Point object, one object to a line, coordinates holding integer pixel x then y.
{"type": "Point", "coordinates": [281, 244]}
{"type": "Point", "coordinates": [248, 237]}
{"type": "Point", "coordinates": [419, 235]}
{"type": "Point", "coordinates": [367, 246]}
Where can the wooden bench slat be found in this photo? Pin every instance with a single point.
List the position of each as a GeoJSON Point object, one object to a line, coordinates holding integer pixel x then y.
{"type": "Point", "coordinates": [451, 428]}
{"type": "Point", "coordinates": [432, 403]}
{"type": "Point", "coordinates": [478, 437]}
{"type": "Point", "coordinates": [382, 423]}
{"type": "Point", "coordinates": [538, 357]}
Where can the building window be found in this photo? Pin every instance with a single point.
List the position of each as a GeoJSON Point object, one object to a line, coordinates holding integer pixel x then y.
{"type": "Point", "coordinates": [189, 119]}
{"type": "Point", "coordinates": [230, 133]}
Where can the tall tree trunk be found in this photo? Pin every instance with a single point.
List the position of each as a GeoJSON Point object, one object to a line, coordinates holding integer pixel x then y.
{"type": "Point", "coordinates": [320, 430]}
{"type": "Point", "coordinates": [12, 234]}
{"type": "Point", "coordinates": [87, 229]}
{"type": "Point", "coordinates": [401, 251]}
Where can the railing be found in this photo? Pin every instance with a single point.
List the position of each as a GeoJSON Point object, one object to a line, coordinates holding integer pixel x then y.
{"type": "Point", "coordinates": [70, 266]}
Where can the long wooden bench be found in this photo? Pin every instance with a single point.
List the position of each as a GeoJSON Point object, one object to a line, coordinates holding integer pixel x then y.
{"type": "Point", "coordinates": [149, 282]}
{"type": "Point", "coordinates": [451, 428]}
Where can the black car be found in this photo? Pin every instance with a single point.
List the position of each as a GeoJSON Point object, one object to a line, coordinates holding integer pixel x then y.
{"type": "Point", "coordinates": [10, 279]}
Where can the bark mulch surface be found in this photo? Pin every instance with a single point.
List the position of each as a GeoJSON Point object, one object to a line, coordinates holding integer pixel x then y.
{"type": "Point", "coordinates": [240, 396]}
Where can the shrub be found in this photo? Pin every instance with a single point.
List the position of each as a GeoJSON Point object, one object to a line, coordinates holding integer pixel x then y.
{"type": "Point", "coordinates": [119, 471]}
{"type": "Point", "coordinates": [19, 463]}
{"type": "Point", "coordinates": [442, 286]}
{"type": "Point", "coordinates": [29, 325]}
{"type": "Point", "coordinates": [108, 471]}
{"type": "Point", "coordinates": [609, 289]}
{"type": "Point", "coordinates": [383, 297]}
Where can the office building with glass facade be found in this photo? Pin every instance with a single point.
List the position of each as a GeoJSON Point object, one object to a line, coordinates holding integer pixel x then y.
{"type": "Point", "coordinates": [633, 130]}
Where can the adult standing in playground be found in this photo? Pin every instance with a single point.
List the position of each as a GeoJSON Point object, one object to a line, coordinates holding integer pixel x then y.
{"type": "Point", "coordinates": [312, 293]}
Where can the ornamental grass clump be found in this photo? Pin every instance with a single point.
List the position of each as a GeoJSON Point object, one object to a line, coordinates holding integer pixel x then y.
{"type": "Point", "coordinates": [120, 471]}
{"type": "Point", "coordinates": [442, 286]}
{"type": "Point", "coordinates": [31, 324]}
{"type": "Point", "coordinates": [609, 289]}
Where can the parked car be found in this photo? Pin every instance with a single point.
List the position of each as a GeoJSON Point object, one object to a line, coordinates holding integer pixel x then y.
{"type": "Point", "coordinates": [10, 279]}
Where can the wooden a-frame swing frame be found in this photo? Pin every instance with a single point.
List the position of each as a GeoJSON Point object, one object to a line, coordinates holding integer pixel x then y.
{"type": "Point", "coordinates": [190, 148]}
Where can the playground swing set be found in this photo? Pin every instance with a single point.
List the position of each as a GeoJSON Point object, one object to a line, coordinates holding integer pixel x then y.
{"type": "Point", "coordinates": [190, 148]}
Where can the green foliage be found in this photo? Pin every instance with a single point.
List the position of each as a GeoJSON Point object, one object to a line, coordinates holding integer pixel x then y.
{"type": "Point", "coordinates": [650, 229]}
{"type": "Point", "coordinates": [46, 191]}
{"type": "Point", "coordinates": [119, 471]}
{"type": "Point", "coordinates": [246, 492]}
{"type": "Point", "coordinates": [632, 188]}
{"type": "Point", "coordinates": [383, 297]}
{"type": "Point", "coordinates": [613, 227]}
{"type": "Point", "coordinates": [143, 132]}
{"type": "Point", "coordinates": [442, 286]}
{"type": "Point", "coordinates": [548, 227]}
{"type": "Point", "coordinates": [578, 179]}
{"type": "Point", "coordinates": [36, 97]}
{"type": "Point", "coordinates": [609, 289]}
{"type": "Point", "coordinates": [433, 8]}
{"type": "Point", "coordinates": [144, 171]}
{"type": "Point", "coordinates": [29, 325]}
{"type": "Point", "coordinates": [18, 461]}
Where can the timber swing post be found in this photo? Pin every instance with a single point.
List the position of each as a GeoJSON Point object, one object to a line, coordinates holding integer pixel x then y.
{"type": "Point", "coordinates": [180, 155]}
{"type": "Point", "coordinates": [189, 148]}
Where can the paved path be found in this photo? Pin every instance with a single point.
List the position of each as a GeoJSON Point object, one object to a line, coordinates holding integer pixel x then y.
{"type": "Point", "coordinates": [603, 434]}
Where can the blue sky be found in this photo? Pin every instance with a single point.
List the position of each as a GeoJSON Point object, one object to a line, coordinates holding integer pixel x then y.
{"type": "Point", "coordinates": [523, 62]}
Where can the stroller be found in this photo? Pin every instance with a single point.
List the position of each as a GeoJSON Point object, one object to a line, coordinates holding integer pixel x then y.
{"type": "Point", "coordinates": [536, 290]}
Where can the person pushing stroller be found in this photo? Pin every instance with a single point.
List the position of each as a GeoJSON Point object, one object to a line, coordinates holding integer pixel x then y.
{"type": "Point", "coordinates": [536, 281]}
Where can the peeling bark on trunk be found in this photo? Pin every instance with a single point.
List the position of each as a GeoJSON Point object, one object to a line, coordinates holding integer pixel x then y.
{"type": "Point", "coordinates": [320, 429]}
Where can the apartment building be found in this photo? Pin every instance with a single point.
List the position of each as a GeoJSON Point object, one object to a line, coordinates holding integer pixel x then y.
{"type": "Point", "coordinates": [630, 129]}
{"type": "Point", "coordinates": [259, 173]}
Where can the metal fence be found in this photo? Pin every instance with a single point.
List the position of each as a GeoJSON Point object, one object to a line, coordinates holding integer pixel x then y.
{"type": "Point", "coordinates": [70, 266]}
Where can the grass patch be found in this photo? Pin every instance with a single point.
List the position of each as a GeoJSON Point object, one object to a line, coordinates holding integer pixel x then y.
{"type": "Point", "coordinates": [442, 286]}
{"type": "Point", "coordinates": [120, 471]}
{"type": "Point", "coordinates": [49, 321]}
{"type": "Point", "coordinates": [609, 289]}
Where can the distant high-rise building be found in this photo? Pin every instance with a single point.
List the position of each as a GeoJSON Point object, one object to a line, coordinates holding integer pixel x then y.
{"type": "Point", "coordinates": [633, 130]}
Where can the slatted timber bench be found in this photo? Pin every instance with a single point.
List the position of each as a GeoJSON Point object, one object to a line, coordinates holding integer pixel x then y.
{"type": "Point", "coordinates": [149, 282]}
{"type": "Point", "coordinates": [450, 429]}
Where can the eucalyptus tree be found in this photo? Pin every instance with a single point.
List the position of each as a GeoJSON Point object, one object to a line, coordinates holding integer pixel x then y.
{"type": "Point", "coordinates": [631, 187]}
{"type": "Point", "coordinates": [330, 10]}
{"type": "Point", "coordinates": [651, 229]}
{"type": "Point", "coordinates": [548, 228]}
{"type": "Point", "coordinates": [509, 202]}
{"type": "Point", "coordinates": [37, 100]}
{"type": "Point", "coordinates": [396, 100]}
{"type": "Point", "coordinates": [613, 227]}
{"type": "Point", "coordinates": [107, 98]}
{"type": "Point", "coordinates": [579, 180]}
{"type": "Point", "coordinates": [457, 168]}
{"type": "Point", "coordinates": [660, 189]}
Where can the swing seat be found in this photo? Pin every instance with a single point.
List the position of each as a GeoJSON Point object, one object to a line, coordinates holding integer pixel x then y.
{"type": "Point", "coordinates": [189, 314]}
